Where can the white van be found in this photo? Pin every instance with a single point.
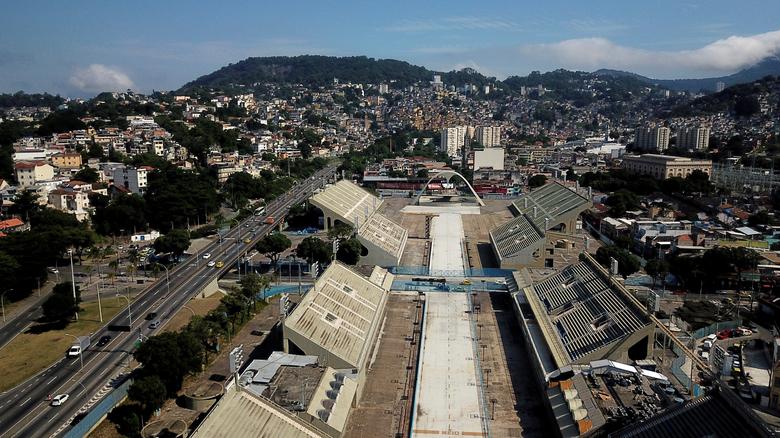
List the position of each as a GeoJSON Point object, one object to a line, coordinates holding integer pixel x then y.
{"type": "Point", "coordinates": [706, 345]}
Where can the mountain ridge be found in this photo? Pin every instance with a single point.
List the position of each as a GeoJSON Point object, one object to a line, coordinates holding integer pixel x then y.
{"type": "Point", "coordinates": [319, 70]}
{"type": "Point", "coordinates": [767, 67]}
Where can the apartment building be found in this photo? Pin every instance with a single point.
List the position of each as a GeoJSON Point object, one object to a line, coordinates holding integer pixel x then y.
{"type": "Point", "coordinates": [652, 138]}
{"type": "Point", "coordinates": [131, 178]}
{"type": "Point", "coordinates": [453, 140]}
{"type": "Point", "coordinates": [488, 136]}
{"type": "Point", "coordinates": [695, 138]}
{"type": "Point", "coordinates": [66, 160]}
{"type": "Point", "coordinates": [30, 172]}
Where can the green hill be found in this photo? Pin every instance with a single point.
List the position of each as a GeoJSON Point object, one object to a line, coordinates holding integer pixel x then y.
{"type": "Point", "coordinates": [315, 70]}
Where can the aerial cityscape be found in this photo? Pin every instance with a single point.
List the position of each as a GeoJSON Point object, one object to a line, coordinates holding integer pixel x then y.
{"type": "Point", "coordinates": [390, 220]}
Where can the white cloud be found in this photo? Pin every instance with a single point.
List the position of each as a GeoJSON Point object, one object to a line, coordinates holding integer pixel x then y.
{"type": "Point", "coordinates": [724, 55]}
{"type": "Point", "coordinates": [99, 78]}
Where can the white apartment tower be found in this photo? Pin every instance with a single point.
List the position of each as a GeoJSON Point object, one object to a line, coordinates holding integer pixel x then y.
{"type": "Point", "coordinates": [488, 136]}
{"type": "Point", "coordinates": [453, 140]}
{"type": "Point", "coordinates": [695, 138]}
{"type": "Point", "coordinates": [652, 138]}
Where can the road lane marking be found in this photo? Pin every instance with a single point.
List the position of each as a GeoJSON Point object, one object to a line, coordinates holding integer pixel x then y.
{"type": "Point", "coordinates": [25, 402]}
{"type": "Point", "coordinates": [51, 381]}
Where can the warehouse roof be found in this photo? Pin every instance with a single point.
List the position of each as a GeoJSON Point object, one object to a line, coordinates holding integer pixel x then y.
{"type": "Point", "coordinates": [546, 205]}
{"type": "Point", "coordinates": [515, 236]}
{"type": "Point", "coordinates": [241, 414]}
{"type": "Point", "coordinates": [340, 314]}
{"type": "Point", "coordinates": [348, 201]}
{"type": "Point", "coordinates": [384, 233]}
{"type": "Point", "coordinates": [582, 311]}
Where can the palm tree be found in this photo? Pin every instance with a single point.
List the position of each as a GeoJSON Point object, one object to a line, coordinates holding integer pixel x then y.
{"type": "Point", "coordinates": [114, 265]}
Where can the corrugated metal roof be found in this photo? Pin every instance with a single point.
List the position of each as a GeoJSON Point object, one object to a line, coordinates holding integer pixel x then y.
{"type": "Point", "coordinates": [240, 414]}
{"type": "Point", "coordinates": [348, 201]}
{"type": "Point", "coordinates": [338, 313]}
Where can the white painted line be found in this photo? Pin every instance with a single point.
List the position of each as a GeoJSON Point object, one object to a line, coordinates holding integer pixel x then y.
{"type": "Point", "coordinates": [25, 402]}
{"type": "Point", "coordinates": [51, 381]}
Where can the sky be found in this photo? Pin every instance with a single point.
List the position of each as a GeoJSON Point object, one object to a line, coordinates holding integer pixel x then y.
{"type": "Point", "coordinates": [80, 48]}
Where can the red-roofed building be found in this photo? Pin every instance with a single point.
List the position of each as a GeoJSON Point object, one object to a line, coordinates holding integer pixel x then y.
{"type": "Point", "coordinates": [13, 225]}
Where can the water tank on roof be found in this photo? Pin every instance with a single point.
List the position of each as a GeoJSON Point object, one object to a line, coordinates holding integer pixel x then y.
{"type": "Point", "coordinates": [579, 414]}
{"type": "Point", "coordinates": [574, 404]}
{"type": "Point", "coordinates": [569, 394]}
{"type": "Point", "coordinates": [323, 415]}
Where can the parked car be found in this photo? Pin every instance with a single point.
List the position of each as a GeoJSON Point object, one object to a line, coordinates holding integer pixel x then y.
{"type": "Point", "coordinates": [59, 399]}
{"type": "Point", "coordinates": [724, 334]}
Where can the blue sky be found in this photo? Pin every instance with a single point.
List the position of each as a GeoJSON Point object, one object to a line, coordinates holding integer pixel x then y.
{"type": "Point", "coordinates": [81, 47]}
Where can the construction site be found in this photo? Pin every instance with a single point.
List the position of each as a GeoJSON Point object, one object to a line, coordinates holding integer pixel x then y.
{"type": "Point", "coordinates": [469, 317]}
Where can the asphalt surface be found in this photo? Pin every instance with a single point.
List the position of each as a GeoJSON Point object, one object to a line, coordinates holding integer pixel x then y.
{"type": "Point", "coordinates": [25, 411]}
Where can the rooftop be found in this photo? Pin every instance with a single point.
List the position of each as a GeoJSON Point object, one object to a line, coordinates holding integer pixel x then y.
{"type": "Point", "coordinates": [348, 201]}
{"type": "Point", "coordinates": [546, 205]}
{"type": "Point", "coordinates": [582, 311]}
{"type": "Point", "coordinates": [241, 414]}
{"type": "Point", "coordinates": [516, 235]}
{"type": "Point", "coordinates": [384, 233]}
{"type": "Point", "coordinates": [339, 314]}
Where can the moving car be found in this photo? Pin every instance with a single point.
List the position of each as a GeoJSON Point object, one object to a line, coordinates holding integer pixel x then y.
{"type": "Point", "coordinates": [154, 324]}
{"type": "Point", "coordinates": [54, 270]}
{"type": "Point", "coordinates": [151, 315]}
{"type": "Point", "coordinates": [75, 350]}
{"type": "Point", "coordinates": [220, 264]}
{"type": "Point", "coordinates": [104, 340]}
{"type": "Point", "coordinates": [211, 264]}
{"type": "Point", "coordinates": [59, 399]}
{"type": "Point", "coordinates": [466, 282]}
{"type": "Point", "coordinates": [247, 241]}
{"type": "Point", "coordinates": [207, 255]}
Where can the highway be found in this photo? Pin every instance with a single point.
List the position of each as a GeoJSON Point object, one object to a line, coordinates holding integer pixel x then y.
{"type": "Point", "coordinates": [24, 410]}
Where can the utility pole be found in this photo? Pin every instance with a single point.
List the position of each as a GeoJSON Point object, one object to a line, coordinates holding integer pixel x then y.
{"type": "Point", "coordinates": [73, 284]}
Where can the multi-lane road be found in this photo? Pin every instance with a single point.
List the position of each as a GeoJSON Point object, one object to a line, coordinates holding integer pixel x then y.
{"type": "Point", "coordinates": [25, 411]}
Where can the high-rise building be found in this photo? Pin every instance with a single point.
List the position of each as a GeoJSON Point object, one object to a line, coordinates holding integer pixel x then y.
{"type": "Point", "coordinates": [652, 138]}
{"type": "Point", "coordinates": [488, 136]}
{"type": "Point", "coordinates": [437, 83]}
{"type": "Point", "coordinates": [720, 86]}
{"type": "Point", "coordinates": [696, 138]}
{"type": "Point", "coordinates": [452, 140]}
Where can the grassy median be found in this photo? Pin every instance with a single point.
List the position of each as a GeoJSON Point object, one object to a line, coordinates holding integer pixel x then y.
{"type": "Point", "coordinates": [29, 353]}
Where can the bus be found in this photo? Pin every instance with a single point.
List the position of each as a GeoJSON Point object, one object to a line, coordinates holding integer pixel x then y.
{"type": "Point", "coordinates": [259, 211]}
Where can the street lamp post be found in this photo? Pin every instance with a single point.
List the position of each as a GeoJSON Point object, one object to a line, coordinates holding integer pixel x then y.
{"type": "Point", "coordinates": [73, 284]}
{"type": "Point", "coordinates": [78, 341]}
{"type": "Point", "coordinates": [97, 289]}
{"type": "Point", "coordinates": [129, 315]}
{"type": "Point", "coordinates": [167, 277]}
{"type": "Point", "coordinates": [2, 302]}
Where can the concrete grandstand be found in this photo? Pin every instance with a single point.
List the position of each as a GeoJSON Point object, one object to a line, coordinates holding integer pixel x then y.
{"type": "Point", "coordinates": [522, 241]}
{"type": "Point", "coordinates": [349, 203]}
{"type": "Point", "coordinates": [579, 316]}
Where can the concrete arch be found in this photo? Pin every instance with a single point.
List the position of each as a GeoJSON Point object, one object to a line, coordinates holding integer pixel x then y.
{"type": "Point", "coordinates": [447, 174]}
